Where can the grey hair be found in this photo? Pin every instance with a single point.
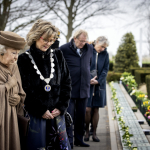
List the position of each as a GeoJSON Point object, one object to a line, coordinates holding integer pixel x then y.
{"type": "Point", "coordinates": [79, 32]}
{"type": "Point", "coordinates": [2, 49]}
{"type": "Point", "coordinates": [102, 40]}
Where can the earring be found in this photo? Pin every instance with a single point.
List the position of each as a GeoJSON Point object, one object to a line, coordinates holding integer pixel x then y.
{"type": "Point", "coordinates": [2, 54]}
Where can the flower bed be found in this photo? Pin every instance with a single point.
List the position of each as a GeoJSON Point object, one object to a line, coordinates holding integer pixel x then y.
{"type": "Point", "coordinates": [141, 99]}
{"type": "Point", "coordinates": [126, 135]}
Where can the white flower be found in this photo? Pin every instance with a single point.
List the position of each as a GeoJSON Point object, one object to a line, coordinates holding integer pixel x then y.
{"type": "Point", "coordinates": [132, 92]}
{"type": "Point", "coordinates": [122, 78]}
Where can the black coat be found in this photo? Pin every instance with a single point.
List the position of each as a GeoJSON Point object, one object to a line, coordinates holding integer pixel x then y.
{"type": "Point", "coordinates": [38, 101]}
{"type": "Point", "coordinates": [79, 68]}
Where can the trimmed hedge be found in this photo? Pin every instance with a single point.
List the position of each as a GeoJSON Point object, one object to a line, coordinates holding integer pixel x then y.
{"type": "Point", "coordinates": [148, 85]}
{"type": "Point", "coordinates": [140, 76]}
{"type": "Point", "coordinates": [132, 69]}
{"type": "Point", "coordinates": [113, 76]}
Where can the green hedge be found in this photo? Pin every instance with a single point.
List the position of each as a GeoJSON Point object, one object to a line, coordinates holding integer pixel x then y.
{"type": "Point", "coordinates": [148, 85]}
{"type": "Point", "coordinates": [111, 65]}
{"type": "Point", "coordinates": [132, 69]}
{"type": "Point", "coordinates": [140, 76]}
{"type": "Point", "coordinates": [113, 76]}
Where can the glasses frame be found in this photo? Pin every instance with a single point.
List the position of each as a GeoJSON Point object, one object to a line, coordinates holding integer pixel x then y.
{"type": "Point", "coordinates": [82, 41]}
{"type": "Point", "coordinates": [45, 41]}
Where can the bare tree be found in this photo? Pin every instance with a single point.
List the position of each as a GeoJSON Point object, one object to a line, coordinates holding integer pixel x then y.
{"type": "Point", "coordinates": [17, 14]}
{"type": "Point", "coordinates": [74, 13]}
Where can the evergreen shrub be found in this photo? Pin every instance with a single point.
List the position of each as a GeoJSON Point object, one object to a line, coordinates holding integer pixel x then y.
{"type": "Point", "coordinates": [126, 56]}
{"type": "Point", "coordinates": [148, 85]}
{"type": "Point", "coordinates": [132, 69]}
{"type": "Point", "coordinates": [113, 76]}
{"type": "Point", "coordinates": [111, 64]}
{"type": "Point", "coordinates": [140, 76]}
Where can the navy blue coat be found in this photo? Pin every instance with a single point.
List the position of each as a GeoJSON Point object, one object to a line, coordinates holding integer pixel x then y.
{"type": "Point", "coordinates": [79, 68]}
{"type": "Point", "coordinates": [99, 100]}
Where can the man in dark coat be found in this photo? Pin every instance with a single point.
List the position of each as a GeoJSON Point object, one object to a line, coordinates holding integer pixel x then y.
{"type": "Point", "coordinates": [78, 55]}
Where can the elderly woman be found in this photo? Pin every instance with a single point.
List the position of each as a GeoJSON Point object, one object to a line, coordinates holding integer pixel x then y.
{"type": "Point", "coordinates": [11, 93]}
{"type": "Point", "coordinates": [99, 69]}
{"type": "Point", "coordinates": [46, 81]}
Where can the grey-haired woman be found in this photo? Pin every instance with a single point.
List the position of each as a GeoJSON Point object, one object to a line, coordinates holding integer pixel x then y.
{"type": "Point", "coordinates": [100, 63]}
{"type": "Point", "coordinates": [11, 93]}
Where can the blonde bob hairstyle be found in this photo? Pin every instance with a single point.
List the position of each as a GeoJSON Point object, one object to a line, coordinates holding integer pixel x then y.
{"type": "Point", "coordinates": [102, 40]}
{"type": "Point", "coordinates": [39, 28]}
{"type": "Point", "coordinates": [79, 32]}
{"type": "Point", "coordinates": [3, 49]}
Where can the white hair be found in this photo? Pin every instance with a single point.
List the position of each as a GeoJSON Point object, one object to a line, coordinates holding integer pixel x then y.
{"type": "Point", "coordinates": [102, 40]}
{"type": "Point", "coordinates": [2, 49]}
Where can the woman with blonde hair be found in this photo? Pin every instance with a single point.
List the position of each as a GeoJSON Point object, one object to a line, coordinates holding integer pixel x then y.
{"type": "Point", "coordinates": [99, 69]}
{"type": "Point", "coordinates": [11, 93]}
{"type": "Point", "coordinates": [46, 81]}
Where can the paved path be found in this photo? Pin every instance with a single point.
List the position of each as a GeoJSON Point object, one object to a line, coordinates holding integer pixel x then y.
{"type": "Point", "coordinates": [103, 134]}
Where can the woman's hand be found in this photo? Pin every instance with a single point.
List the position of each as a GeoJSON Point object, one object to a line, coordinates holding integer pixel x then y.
{"type": "Point", "coordinates": [93, 81]}
{"type": "Point", "coordinates": [56, 112]}
{"type": "Point", "coordinates": [14, 100]}
{"type": "Point", "coordinates": [48, 115]}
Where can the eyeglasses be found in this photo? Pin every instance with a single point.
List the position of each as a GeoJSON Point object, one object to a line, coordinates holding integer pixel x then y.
{"type": "Point", "coordinates": [82, 41]}
{"type": "Point", "coordinates": [46, 42]}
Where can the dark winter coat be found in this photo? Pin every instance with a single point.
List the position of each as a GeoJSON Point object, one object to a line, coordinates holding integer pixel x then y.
{"type": "Point", "coordinates": [38, 101]}
{"type": "Point", "coordinates": [99, 100]}
{"type": "Point", "coordinates": [79, 68]}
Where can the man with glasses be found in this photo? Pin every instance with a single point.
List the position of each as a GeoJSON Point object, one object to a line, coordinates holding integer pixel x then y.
{"type": "Point", "coordinates": [78, 55]}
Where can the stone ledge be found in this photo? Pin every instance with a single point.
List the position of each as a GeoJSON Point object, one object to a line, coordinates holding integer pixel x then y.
{"type": "Point", "coordinates": [115, 145]}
